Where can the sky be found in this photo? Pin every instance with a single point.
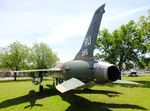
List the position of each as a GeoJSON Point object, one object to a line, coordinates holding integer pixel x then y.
{"type": "Point", "coordinates": [62, 24]}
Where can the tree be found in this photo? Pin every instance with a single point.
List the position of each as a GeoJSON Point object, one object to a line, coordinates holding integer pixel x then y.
{"type": "Point", "coordinates": [42, 57]}
{"type": "Point", "coordinates": [14, 56]}
{"type": "Point", "coordinates": [122, 46]}
{"type": "Point", "coordinates": [144, 24]}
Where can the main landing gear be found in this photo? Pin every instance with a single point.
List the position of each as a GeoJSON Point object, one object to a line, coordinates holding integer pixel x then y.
{"type": "Point", "coordinates": [57, 81]}
{"type": "Point", "coordinates": [41, 88]}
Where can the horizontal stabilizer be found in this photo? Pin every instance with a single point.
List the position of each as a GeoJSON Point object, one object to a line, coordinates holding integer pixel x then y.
{"type": "Point", "coordinates": [69, 85]}
{"type": "Point", "coordinates": [127, 82]}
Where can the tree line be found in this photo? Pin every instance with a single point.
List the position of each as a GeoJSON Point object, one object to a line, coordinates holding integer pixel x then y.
{"type": "Point", "coordinates": [17, 56]}
{"type": "Point", "coordinates": [126, 46]}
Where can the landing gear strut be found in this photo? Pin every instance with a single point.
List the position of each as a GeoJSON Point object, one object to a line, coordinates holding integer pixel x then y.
{"type": "Point", "coordinates": [41, 89]}
{"type": "Point", "coordinates": [57, 81]}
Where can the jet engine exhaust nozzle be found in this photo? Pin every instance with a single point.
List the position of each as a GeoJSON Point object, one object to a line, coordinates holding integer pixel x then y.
{"type": "Point", "coordinates": [113, 73]}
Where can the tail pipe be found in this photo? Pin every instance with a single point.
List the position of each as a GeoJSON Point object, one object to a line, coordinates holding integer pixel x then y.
{"type": "Point", "coordinates": [113, 73]}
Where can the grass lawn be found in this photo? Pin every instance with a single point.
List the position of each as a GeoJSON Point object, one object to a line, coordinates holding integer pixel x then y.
{"type": "Point", "coordinates": [18, 96]}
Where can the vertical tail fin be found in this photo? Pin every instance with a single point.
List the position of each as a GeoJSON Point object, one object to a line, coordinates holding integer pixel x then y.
{"type": "Point", "coordinates": [88, 46]}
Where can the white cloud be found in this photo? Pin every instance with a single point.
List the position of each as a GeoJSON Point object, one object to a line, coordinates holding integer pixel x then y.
{"type": "Point", "coordinates": [128, 13]}
{"type": "Point", "coordinates": [50, 40]}
{"type": "Point", "coordinates": [65, 54]}
{"type": "Point", "coordinates": [70, 27]}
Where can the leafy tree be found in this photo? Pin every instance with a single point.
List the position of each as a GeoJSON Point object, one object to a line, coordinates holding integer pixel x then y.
{"type": "Point", "coordinates": [14, 56]}
{"type": "Point", "coordinates": [42, 57]}
{"type": "Point", "coordinates": [148, 46]}
{"type": "Point", "coordinates": [122, 46]}
{"type": "Point", "coordinates": [17, 56]}
{"type": "Point", "coordinates": [144, 24]}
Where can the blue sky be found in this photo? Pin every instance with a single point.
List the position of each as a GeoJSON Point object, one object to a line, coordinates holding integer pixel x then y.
{"type": "Point", "coordinates": [62, 24]}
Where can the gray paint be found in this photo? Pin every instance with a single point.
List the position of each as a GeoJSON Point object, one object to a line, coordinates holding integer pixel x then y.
{"type": "Point", "coordinates": [82, 70]}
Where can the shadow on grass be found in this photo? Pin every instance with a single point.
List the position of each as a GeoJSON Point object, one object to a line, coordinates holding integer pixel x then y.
{"type": "Point", "coordinates": [76, 102]}
{"type": "Point", "coordinates": [145, 83]}
{"type": "Point", "coordinates": [32, 101]}
{"type": "Point", "coordinates": [31, 98]}
{"type": "Point", "coordinates": [90, 91]}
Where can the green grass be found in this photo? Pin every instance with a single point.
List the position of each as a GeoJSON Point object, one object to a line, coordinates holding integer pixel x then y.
{"type": "Point", "coordinates": [17, 96]}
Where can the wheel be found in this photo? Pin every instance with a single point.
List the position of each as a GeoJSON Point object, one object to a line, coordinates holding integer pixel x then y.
{"type": "Point", "coordinates": [60, 80]}
{"type": "Point", "coordinates": [41, 89]}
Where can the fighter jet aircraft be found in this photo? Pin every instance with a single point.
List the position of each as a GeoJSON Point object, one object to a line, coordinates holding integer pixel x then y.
{"type": "Point", "coordinates": [83, 70]}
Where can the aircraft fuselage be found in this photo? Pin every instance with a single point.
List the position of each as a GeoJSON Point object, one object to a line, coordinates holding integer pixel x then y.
{"type": "Point", "coordinates": [87, 71]}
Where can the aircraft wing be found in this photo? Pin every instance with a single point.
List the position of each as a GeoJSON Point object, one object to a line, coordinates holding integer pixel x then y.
{"type": "Point", "coordinates": [127, 82]}
{"type": "Point", "coordinates": [69, 85]}
{"type": "Point", "coordinates": [40, 70]}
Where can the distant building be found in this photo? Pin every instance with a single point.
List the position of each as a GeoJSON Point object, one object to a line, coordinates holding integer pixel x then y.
{"type": "Point", "coordinates": [5, 73]}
